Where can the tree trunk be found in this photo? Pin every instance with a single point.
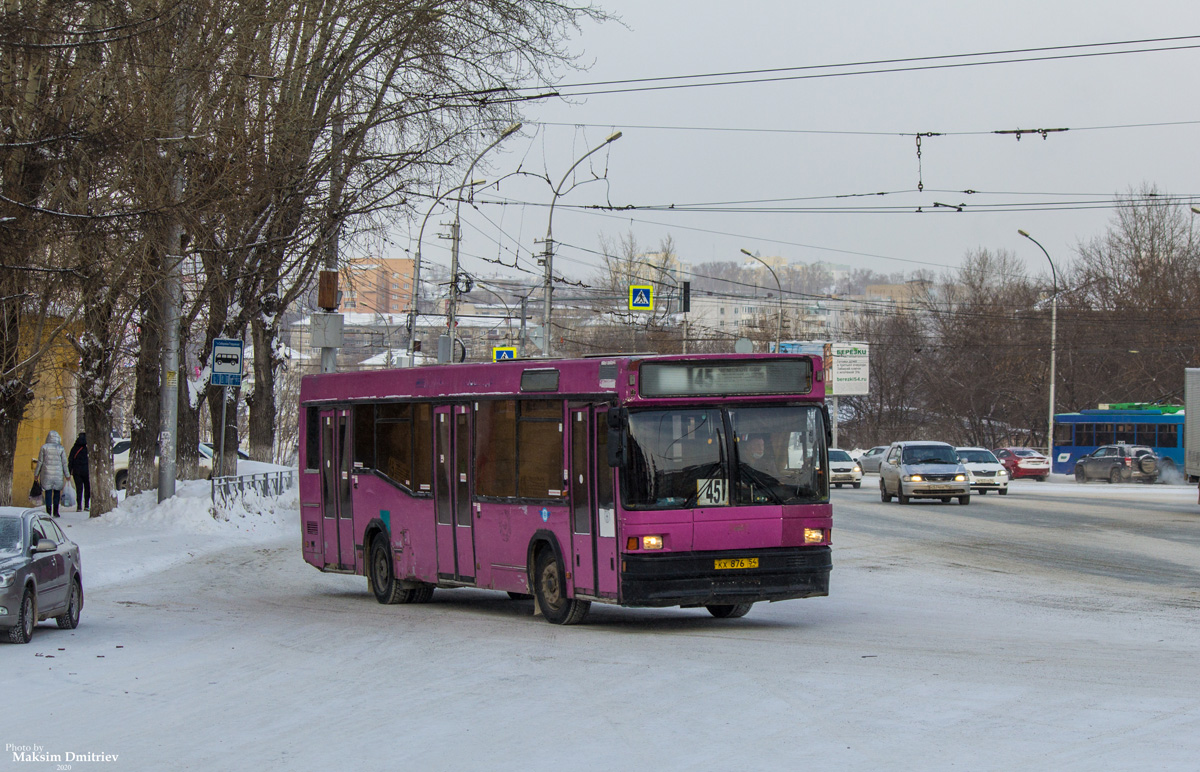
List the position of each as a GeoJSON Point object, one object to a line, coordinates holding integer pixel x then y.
{"type": "Point", "coordinates": [146, 403]}
{"type": "Point", "coordinates": [262, 399]}
{"type": "Point", "coordinates": [187, 429]}
{"type": "Point", "coordinates": [9, 406]}
{"type": "Point", "coordinates": [97, 422]}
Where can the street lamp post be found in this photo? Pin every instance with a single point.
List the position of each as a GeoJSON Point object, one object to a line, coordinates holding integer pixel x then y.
{"type": "Point", "coordinates": [416, 287]}
{"type": "Point", "coordinates": [456, 237]}
{"type": "Point", "coordinates": [1053, 332]}
{"type": "Point", "coordinates": [779, 288]}
{"type": "Point", "coordinates": [548, 254]}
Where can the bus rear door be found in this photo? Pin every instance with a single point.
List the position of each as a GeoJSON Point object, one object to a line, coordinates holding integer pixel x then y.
{"type": "Point", "coordinates": [452, 493]}
{"type": "Point", "coordinates": [336, 507]}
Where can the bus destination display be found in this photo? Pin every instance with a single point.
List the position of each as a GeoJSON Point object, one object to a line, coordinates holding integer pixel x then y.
{"type": "Point", "coordinates": [685, 379]}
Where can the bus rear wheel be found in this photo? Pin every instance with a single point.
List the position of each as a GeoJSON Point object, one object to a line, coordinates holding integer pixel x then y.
{"type": "Point", "coordinates": [550, 588]}
{"type": "Point", "coordinates": [722, 611]}
{"type": "Point", "coordinates": [382, 577]}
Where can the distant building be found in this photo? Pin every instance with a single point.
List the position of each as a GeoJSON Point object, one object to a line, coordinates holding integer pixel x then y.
{"type": "Point", "coordinates": [380, 285]}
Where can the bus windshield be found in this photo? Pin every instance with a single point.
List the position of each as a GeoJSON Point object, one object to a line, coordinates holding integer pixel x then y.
{"type": "Point", "coordinates": [733, 456]}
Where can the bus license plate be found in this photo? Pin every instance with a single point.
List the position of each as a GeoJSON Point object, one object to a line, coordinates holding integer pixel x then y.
{"type": "Point", "coordinates": [737, 563]}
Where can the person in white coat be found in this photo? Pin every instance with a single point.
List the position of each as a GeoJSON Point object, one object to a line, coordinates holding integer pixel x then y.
{"type": "Point", "coordinates": [51, 471]}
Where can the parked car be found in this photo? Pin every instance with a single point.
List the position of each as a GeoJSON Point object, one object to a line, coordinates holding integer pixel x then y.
{"type": "Point", "coordinates": [984, 470]}
{"type": "Point", "coordinates": [869, 461]}
{"type": "Point", "coordinates": [1023, 462]}
{"type": "Point", "coordinates": [924, 470]}
{"type": "Point", "coordinates": [843, 469]}
{"type": "Point", "coordinates": [40, 575]}
{"type": "Point", "coordinates": [1118, 463]}
{"type": "Point", "coordinates": [121, 461]}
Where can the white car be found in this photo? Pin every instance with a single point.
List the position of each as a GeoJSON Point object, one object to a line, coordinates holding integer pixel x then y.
{"type": "Point", "coordinates": [984, 469]}
{"type": "Point", "coordinates": [843, 469]}
{"type": "Point", "coordinates": [121, 461]}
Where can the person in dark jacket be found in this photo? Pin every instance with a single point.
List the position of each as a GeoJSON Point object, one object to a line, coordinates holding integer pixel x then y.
{"type": "Point", "coordinates": [77, 464]}
{"type": "Point", "coordinates": [52, 471]}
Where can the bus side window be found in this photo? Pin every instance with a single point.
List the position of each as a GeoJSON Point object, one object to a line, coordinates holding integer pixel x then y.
{"type": "Point", "coordinates": [364, 436]}
{"type": "Point", "coordinates": [540, 449]}
{"type": "Point", "coordinates": [423, 448]}
{"type": "Point", "coordinates": [312, 442]}
{"type": "Point", "coordinates": [496, 448]}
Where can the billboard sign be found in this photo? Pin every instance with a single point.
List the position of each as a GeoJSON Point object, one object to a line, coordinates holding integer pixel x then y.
{"type": "Point", "coordinates": [847, 365]}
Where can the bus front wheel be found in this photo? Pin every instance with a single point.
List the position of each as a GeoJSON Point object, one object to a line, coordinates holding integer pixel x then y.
{"type": "Point", "coordinates": [550, 588]}
{"type": "Point", "coordinates": [382, 577]}
{"type": "Point", "coordinates": [722, 611]}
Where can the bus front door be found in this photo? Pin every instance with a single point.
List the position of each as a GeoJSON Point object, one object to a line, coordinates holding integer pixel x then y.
{"type": "Point", "coordinates": [452, 493]}
{"type": "Point", "coordinates": [593, 524]}
{"type": "Point", "coordinates": [336, 507]}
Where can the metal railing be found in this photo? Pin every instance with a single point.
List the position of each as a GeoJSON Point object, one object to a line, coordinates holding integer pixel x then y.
{"type": "Point", "coordinates": [234, 488]}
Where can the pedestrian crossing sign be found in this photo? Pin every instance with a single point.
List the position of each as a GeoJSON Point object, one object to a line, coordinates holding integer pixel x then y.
{"type": "Point", "coordinates": [504, 352]}
{"type": "Point", "coordinates": [641, 297]}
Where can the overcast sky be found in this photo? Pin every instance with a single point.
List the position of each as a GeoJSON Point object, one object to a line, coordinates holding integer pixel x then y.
{"type": "Point", "coordinates": [817, 138]}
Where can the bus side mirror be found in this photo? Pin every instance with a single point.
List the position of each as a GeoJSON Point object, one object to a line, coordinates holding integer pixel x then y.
{"type": "Point", "coordinates": [616, 438]}
{"type": "Point", "coordinates": [828, 427]}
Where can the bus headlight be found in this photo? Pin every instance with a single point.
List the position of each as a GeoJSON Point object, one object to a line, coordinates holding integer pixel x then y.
{"type": "Point", "coordinates": [652, 542]}
{"type": "Point", "coordinates": [814, 535]}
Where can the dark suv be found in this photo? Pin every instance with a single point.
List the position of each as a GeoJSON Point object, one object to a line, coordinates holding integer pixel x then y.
{"type": "Point", "coordinates": [1118, 463]}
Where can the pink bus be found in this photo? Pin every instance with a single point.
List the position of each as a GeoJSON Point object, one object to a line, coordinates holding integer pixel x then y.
{"type": "Point", "coordinates": [628, 480]}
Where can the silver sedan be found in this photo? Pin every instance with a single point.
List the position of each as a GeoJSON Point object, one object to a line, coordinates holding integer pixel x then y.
{"type": "Point", "coordinates": [40, 575]}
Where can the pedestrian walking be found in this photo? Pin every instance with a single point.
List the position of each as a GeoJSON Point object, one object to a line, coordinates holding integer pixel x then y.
{"type": "Point", "coordinates": [77, 464]}
{"type": "Point", "coordinates": [51, 471]}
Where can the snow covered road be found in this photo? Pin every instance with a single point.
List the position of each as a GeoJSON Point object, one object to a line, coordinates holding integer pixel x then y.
{"type": "Point", "coordinates": [214, 646]}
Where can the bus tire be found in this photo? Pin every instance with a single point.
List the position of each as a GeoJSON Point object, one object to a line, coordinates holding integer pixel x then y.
{"type": "Point", "coordinates": [725, 611]}
{"type": "Point", "coordinates": [381, 575]}
{"type": "Point", "coordinates": [520, 596]}
{"type": "Point", "coordinates": [550, 587]}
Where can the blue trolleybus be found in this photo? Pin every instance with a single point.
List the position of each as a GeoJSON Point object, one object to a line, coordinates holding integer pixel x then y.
{"type": "Point", "coordinates": [1157, 426]}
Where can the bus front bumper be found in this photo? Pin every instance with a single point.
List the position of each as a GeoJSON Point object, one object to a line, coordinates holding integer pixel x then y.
{"type": "Point", "coordinates": [692, 578]}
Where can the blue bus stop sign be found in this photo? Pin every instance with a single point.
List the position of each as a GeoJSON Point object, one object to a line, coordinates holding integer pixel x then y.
{"type": "Point", "coordinates": [226, 362]}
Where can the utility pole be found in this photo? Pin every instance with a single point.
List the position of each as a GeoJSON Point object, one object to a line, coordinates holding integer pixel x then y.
{"type": "Point", "coordinates": [168, 421]}
{"type": "Point", "coordinates": [524, 313]}
{"type": "Point", "coordinates": [331, 341]}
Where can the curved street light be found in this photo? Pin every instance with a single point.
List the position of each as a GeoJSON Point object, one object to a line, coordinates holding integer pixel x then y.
{"type": "Point", "coordinates": [452, 306]}
{"type": "Point", "coordinates": [548, 255]}
{"type": "Point", "coordinates": [1053, 333]}
{"type": "Point", "coordinates": [779, 288]}
{"type": "Point", "coordinates": [416, 287]}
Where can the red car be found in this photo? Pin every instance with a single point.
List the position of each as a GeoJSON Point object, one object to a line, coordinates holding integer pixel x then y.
{"type": "Point", "coordinates": [1023, 462]}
